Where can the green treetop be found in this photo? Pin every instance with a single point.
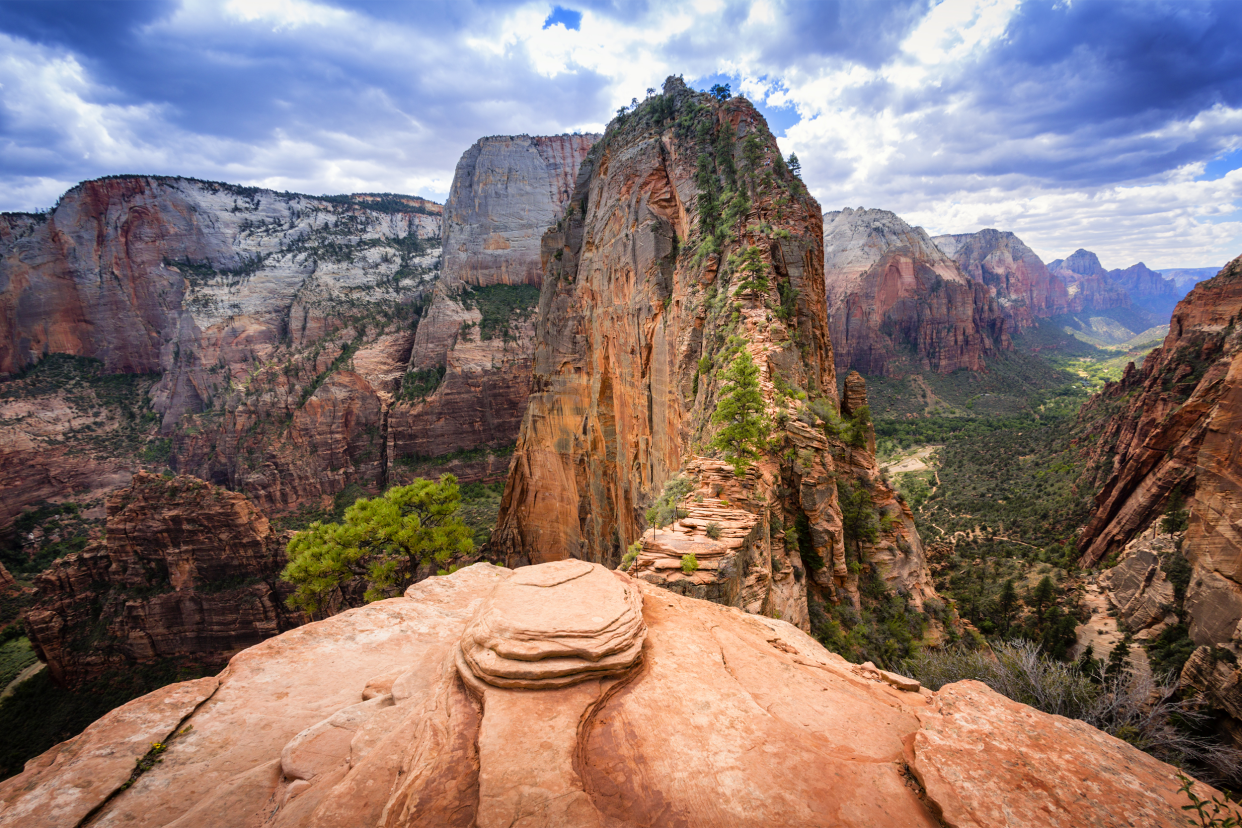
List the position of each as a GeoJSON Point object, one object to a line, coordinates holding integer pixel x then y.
{"type": "Point", "coordinates": [741, 411]}
{"type": "Point", "coordinates": [382, 540]}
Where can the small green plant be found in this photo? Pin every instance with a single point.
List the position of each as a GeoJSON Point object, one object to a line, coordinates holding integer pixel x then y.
{"type": "Point", "coordinates": [689, 563]}
{"type": "Point", "coordinates": [713, 530]}
{"type": "Point", "coordinates": [1200, 806]}
{"type": "Point", "coordinates": [631, 554]}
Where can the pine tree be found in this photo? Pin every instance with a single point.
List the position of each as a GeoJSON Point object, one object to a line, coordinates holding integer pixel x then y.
{"type": "Point", "coordinates": [795, 166]}
{"type": "Point", "coordinates": [382, 541]}
{"type": "Point", "coordinates": [741, 411]}
{"type": "Point", "coordinates": [1043, 596]}
{"type": "Point", "coordinates": [1007, 605]}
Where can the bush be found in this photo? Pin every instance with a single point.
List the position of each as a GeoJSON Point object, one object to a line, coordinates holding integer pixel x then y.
{"type": "Point", "coordinates": [689, 563]}
{"type": "Point", "coordinates": [713, 530]}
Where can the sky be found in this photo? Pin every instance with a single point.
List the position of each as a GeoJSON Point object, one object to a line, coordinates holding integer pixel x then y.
{"type": "Point", "coordinates": [1114, 126]}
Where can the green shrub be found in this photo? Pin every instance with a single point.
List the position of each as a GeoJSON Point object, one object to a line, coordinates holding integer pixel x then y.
{"type": "Point", "coordinates": [689, 563]}
{"type": "Point", "coordinates": [713, 530]}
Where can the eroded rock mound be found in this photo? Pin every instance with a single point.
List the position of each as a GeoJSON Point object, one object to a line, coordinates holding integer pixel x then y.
{"type": "Point", "coordinates": [372, 718]}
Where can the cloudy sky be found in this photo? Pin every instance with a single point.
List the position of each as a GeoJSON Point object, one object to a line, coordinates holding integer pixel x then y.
{"type": "Point", "coordinates": [1108, 125]}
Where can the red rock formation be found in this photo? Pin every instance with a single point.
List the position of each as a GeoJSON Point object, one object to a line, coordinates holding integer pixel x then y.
{"type": "Point", "coordinates": [1176, 423]}
{"type": "Point", "coordinates": [403, 713]}
{"type": "Point", "coordinates": [1025, 288]}
{"type": "Point", "coordinates": [897, 303]}
{"type": "Point", "coordinates": [635, 330]}
{"type": "Point", "coordinates": [6, 580]}
{"type": "Point", "coordinates": [1148, 289]}
{"type": "Point", "coordinates": [188, 571]}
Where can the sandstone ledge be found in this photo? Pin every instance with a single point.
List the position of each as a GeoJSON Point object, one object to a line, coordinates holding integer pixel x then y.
{"type": "Point", "coordinates": [726, 719]}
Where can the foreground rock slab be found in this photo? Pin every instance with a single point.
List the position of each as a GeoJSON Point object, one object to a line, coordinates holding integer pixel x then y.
{"type": "Point", "coordinates": [374, 718]}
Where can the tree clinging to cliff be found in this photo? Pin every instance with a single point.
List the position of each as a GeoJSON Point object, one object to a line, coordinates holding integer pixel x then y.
{"type": "Point", "coordinates": [741, 411]}
{"type": "Point", "coordinates": [383, 540]}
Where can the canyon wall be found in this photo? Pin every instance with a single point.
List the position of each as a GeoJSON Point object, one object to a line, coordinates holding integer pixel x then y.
{"type": "Point", "coordinates": [686, 244]}
{"type": "Point", "coordinates": [270, 325]}
{"type": "Point", "coordinates": [478, 333]}
{"type": "Point", "coordinates": [507, 190]}
{"type": "Point", "coordinates": [1170, 430]}
{"type": "Point", "coordinates": [897, 303]}
{"type": "Point", "coordinates": [1090, 288]}
{"type": "Point", "coordinates": [188, 572]}
{"type": "Point", "coordinates": [1148, 289]}
{"type": "Point", "coordinates": [1023, 285]}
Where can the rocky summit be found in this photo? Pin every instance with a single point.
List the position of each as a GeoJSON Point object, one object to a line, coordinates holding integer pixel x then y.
{"type": "Point", "coordinates": [565, 694]}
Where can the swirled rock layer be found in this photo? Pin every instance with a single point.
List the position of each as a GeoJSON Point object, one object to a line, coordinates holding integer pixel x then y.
{"type": "Point", "coordinates": [555, 625]}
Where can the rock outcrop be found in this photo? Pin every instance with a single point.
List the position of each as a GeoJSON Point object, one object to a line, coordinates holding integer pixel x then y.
{"type": "Point", "coordinates": [1138, 586]}
{"type": "Point", "coordinates": [377, 717]}
{"type": "Point", "coordinates": [897, 303]}
{"type": "Point", "coordinates": [1171, 430]}
{"type": "Point", "coordinates": [188, 571]}
{"type": "Point", "coordinates": [648, 298]}
{"type": "Point", "coordinates": [1019, 280]}
{"type": "Point", "coordinates": [507, 190]}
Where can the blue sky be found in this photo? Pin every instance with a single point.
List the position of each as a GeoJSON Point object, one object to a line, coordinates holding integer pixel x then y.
{"type": "Point", "coordinates": [1108, 125]}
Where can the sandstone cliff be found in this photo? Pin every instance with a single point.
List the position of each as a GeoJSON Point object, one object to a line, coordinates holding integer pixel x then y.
{"type": "Point", "coordinates": [1173, 427]}
{"type": "Point", "coordinates": [568, 695]}
{"type": "Point", "coordinates": [1023, 285]}
{"type": "Point", "coordinates": [1148, 289]}
{"type": "Point", "coordinates": [506, 191]}
{"type": "Point", "coordinates": [188, 572]}
{"type": "Point", "coordinates": [477, 336]}
{"type": "Point", "coordinates": [213, 290]}
{"type": "Point", "coordinates": [897, 303]}
{"type": "Point", "coordinates": [645, 303]}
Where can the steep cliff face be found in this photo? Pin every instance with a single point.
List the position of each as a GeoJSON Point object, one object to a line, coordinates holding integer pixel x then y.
{"type": "Point", "coordinates": [188, 572]}
{"type": "Point", "coordinates": [897, 303]}
{"type": "Point", "coordinates": [1022, 284]}
{"type": "Point", "coordinates": [507, 190]}
{"type": "Point", "coordinates": [475, 344]}
{"type": "Point", "coordinates": [244, 302]}
{"type": "Point", "coordinates": [649, 295]}
{"type": "Point", "coordinates": [568, 695]}
{"type": "Point", "coordinates": [1148, 289]}
{"type": "Point", "coordinates": [1173, 426]}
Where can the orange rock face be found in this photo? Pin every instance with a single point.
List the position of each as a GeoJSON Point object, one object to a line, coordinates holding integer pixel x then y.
{"type": "Point", "coordinates": [1176, 423]}
{"type": "Point", "coordinates": [188, 571]}
{"type": "Point", "coordinates": [635, 331]}
{"type": "Point", "coordinates": [373, 717]}
{"type": "Point", "coordinates": [892, 291]}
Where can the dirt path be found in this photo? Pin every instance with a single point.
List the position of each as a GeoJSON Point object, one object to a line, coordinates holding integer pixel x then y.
{"type": "Point", "coordinates": [29, 672]}
{"type": "Point", "coordinates": [1101, 634]}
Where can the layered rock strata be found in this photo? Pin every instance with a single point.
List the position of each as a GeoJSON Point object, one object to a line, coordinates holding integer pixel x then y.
{"type": "Point", "coordinates": [244, 303]}
{"type": "Point", "coordinates": [1171, 430]}
{"type": "Point", "coordinates": [1139, 588]}
{"type": "Point", "coordinates": [897, 303]}
{"type": "Point", "coordinates": [647, 300]}
{"type": "Point", "coordinates": [1148, 289]}
{"type": "Point", "coordinates": [1021, 283]}
{"type": "Point", "coordinates": [188, 572]}
{"type": "Point", "coordinates": [372, 717]}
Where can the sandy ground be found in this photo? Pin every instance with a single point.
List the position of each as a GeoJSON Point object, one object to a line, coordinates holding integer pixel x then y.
{"type": "Point", "coordinates": [916, 462]}
{"type": "Point", "coordinates": [1101, 633]}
